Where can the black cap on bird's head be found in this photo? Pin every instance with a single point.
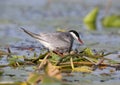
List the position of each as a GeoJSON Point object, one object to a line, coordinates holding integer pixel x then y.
{"type": "Point", "coordinates": [75, 35]}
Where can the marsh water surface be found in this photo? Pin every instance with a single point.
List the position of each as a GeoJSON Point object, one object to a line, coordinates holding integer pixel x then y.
{"type": "Point", "coordinates": [48, 16]}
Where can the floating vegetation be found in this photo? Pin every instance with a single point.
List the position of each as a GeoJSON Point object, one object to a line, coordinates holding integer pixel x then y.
{"type": "Point", "coordinates": [50, 66]}
{"type": "Point", "coordinates": [90, 19]}
{"type": "Point", "coordinates": [108, 21]}
{"type": "Point", "coordinates": [111, 21]}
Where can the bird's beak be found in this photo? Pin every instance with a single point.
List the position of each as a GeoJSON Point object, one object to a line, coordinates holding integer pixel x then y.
{"type": "Point", "coordinates": [81, 42]}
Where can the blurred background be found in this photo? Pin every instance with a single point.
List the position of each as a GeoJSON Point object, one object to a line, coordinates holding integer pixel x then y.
{"type": "Point", "coordinates": [52, 15]}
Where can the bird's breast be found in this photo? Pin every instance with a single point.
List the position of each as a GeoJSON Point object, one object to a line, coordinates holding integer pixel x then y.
{"type": "Point", "coordinates": [47, 45]}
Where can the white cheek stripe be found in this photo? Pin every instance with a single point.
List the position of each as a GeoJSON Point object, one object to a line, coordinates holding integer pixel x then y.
{"type": "Point", "coordinates": [73, 34]}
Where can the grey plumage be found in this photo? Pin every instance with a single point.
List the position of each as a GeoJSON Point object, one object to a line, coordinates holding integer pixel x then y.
{"type": "Point", "coordinates": [57, 41]}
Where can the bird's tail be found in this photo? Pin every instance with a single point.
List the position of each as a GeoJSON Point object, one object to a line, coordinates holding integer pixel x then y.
{"type": "Point", "coordinates": [37, 36]}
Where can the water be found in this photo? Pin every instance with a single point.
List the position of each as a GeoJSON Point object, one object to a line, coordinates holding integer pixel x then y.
{"type": "Point", "coordinates": [50, 15]}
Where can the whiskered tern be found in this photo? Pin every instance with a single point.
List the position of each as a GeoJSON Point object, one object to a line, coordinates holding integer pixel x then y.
{"type": "Point", "coordinates": [57, 41]}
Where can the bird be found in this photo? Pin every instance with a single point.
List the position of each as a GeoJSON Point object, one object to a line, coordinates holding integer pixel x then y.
{"type": "Point", "coordinates": [57, 41]}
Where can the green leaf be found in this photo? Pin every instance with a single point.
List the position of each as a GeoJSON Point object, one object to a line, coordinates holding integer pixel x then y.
{"type": "Point", "coordinates": [55, 56]}
{"type": "Point", "coordinates": [111, 21]}
{"type": "Point", "coordinates": [91, 17]}
{"type": "Point", "coordinates": [88, 52]}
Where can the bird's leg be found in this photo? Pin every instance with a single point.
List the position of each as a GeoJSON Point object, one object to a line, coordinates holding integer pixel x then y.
{"type": "Point", "coordinates": [58, 53]}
